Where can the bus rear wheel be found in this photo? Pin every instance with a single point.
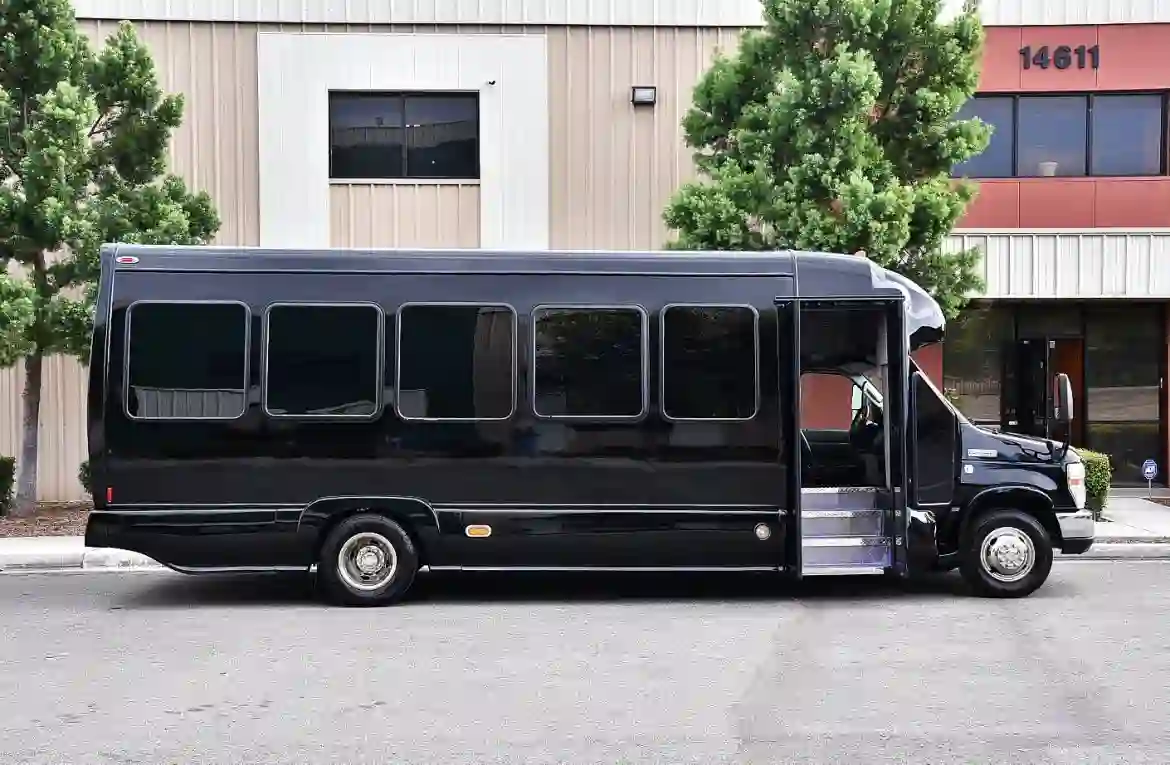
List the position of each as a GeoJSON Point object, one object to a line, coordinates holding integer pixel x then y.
{"type": "Point", "coordinates": [1008, 555]}
{"type": "Point", "coordinates": [367, 560]}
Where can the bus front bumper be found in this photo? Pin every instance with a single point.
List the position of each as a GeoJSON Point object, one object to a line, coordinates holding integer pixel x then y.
{"type": "Point", "coordinates": [1077, 530]}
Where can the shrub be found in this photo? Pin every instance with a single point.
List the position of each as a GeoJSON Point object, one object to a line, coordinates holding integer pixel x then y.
{"type": "Point", "coordinates": [1098, 476]}
{"type": "Point", "coordinates": [7, 482]}
{"type": "Point", "coordinates": [85, 477]}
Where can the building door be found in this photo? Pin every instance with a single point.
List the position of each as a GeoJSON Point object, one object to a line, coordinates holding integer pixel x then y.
{"type": "Point", "coordinates": [1030, 366]}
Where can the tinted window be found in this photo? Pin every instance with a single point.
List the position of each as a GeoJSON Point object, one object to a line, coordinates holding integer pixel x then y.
{"type": "Point", "coordinates": [1052, 135]}
{"type": "Point", "coordinates": [996, 159]}
{"type": "Point", "coordinates": [323, 361]}
{"type": "Point", "coordinates": [589, 362]}
{"type": "Point", "coordinates": [709, 362]}
{"type": "Point", "coordinates": [442, 136]}
{"type": "Point", "coordinates": [187, 360]}
{"type": "Point", "coordinates": [1127, 135]}
{"type": "Point", "coordinates": [457, 362]}
{"type": "Point", "coordinates": [387, 135]}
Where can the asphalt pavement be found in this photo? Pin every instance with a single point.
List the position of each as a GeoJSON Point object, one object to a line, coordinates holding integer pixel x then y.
{"type": "Point", "coordinates": [156, 667]}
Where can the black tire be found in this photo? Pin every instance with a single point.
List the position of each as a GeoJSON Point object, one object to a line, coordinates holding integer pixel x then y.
{"type": "Point", "coordinates": [367, 536]}
{"type": "Point", "coordinates": [1006, 523]}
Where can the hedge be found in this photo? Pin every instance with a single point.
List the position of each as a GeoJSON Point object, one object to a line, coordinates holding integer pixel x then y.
{"type": "Point", "coordinates": [7, 482]}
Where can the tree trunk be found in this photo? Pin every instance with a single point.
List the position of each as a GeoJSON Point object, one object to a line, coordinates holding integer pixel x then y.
{"type": "Point", "coordinates": [26, 492]}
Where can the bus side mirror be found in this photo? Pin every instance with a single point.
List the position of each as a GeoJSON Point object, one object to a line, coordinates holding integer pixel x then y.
{"type": "Point", "coordinates": [1063, 400]}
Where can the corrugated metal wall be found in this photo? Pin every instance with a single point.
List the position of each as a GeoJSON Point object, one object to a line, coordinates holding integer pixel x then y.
{"type": "Point", "coordinates": [1082, 264]}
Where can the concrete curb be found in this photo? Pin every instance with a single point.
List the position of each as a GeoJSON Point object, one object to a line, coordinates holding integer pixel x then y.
{"type": "Point", "coordinates": [89, 559]}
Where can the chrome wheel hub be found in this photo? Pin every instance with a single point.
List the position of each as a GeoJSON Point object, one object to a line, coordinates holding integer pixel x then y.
{"type": "Point", "coordinates": [367, 561]}
{"type": "Point", "coordinates": [1007, 554]}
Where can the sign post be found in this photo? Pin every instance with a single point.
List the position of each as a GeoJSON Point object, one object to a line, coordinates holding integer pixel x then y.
{"type": "Point", "coordinates": [1150, 472]}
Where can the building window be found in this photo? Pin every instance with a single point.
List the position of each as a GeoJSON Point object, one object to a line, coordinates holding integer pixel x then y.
{"type": "Point", "coordinates": [424, 136]}
{"type": "Point", "coordinates": [1068, 135]}
{"type": "Point", "coordinates": [973, 360]}
{"type": "Point", "coordinates": [323, 361]}
{"type": "Point", "coordinates": [1127, 135]}
{"type": "Point", "coordinates": [456, 362]}
{"type": "Point", "coordinates": [590, 362]}
{"type": "Point", "coordinates": [1052, 136]}
{"type": "Point", "coordinates": [187, 361]}
{"type": "Point", "coordinates": [996, 160]}
{"type": "Point", "coordinates": [709, 363]}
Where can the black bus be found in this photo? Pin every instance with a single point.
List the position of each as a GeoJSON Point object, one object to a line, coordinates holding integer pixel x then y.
{"type": "Point", "coordinates": [366, 415]}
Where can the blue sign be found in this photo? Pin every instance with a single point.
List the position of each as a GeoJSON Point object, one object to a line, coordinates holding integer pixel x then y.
{"type": "Point", "coordinates": [1149, 470]}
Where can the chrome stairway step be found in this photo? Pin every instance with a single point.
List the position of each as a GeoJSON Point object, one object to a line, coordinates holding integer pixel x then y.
{"type": "Point", "coordinates": [841, 551]}
{"type": "Point", "coordinates": [841, 523]}
{"type": "Point", "coordinates": [842, 571]}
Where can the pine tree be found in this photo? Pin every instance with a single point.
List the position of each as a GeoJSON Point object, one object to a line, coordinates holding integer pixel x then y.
{"type": "Point", "coordinates": [833, 129]}
{"type": "Point", "coordinates": [82, 162]}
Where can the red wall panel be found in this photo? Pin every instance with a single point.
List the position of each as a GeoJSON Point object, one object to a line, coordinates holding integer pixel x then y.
{"type": "Point", "coordinates": [1070, 203]}
{"type": "Point", "coordinates": [1133, 57]}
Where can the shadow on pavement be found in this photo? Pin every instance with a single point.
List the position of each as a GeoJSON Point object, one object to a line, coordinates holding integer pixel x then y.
{"type": "Point", "coordinates": [182, 591]}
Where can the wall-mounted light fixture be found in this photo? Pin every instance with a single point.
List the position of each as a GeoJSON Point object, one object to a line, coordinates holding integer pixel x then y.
{"type": "Point", "coordinates": [643, 95]}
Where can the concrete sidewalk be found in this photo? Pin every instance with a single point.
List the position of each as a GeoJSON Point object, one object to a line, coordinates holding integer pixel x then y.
{"type": "Point", "coordinates": [1134, 519]}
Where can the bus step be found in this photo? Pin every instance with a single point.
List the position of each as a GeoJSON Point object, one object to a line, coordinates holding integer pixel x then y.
{"type": "Point", "coordinates": [854, 552]}
{"type": "Point", "coordinates": [841, 523]}
{"type": "Point", "coordinates": [842, 570]}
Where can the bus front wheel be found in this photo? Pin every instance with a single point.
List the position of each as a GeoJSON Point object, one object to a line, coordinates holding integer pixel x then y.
{"type": "Point", "coordinates": [1008, 555]}
{"type": "Point", "coordinates": [367, 560]}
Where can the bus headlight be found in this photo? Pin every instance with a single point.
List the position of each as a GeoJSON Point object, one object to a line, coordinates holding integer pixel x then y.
{"type": "Point", "coordinates": [1075, 473]}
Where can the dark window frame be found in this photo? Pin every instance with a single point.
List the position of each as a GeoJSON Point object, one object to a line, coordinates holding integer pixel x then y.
{"type": "Point", "coordinates": [447, 304]}
{"type": "Point", "coordinates": [126, 386]}
{"type": "Point", "coordinates": [662, 361]}
{"type": "Point", "coordinates": [1090, 96]}
{"type": "Point", "coordinates": [645, 366]}
{"type": "Point", "coordinates": [405, 95]}
{"type": "Point", "coordinates": [380, 364]}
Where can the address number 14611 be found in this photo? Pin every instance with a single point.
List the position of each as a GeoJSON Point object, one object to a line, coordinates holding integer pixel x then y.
{"type": "Point", "coordinates": [1061, 57]}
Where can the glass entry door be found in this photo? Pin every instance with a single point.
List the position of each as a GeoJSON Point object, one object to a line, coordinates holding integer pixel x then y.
{"type": "Point", "coordinates": [1030, 366]}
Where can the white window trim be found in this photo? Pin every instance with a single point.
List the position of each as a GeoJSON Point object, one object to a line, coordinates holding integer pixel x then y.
{"type": "Point", "coordinates": [297, 71]}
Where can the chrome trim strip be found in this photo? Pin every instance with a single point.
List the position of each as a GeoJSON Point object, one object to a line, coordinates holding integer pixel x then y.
{"type": "Point", "coordinates": [237, 569]}
{"type": "Point", "coordinates": [610, 509]}
{"type": "Point", "coordinates": [845, 542]}
{"type": "Point", "coordinates": [609, 569]}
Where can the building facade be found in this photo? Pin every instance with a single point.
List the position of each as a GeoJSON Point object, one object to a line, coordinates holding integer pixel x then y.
{"type": "Point", "coordinates": [555, 124]}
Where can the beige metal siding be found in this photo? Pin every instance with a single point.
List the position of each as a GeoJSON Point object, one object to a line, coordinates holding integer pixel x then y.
{"type": "Point", "coordinates": [613, 167]}
{"type": "Point", "coordinates": [63, 441]}
{"type": "Point", "coordinates": [404, 215]}
{"type": "Point", "coordinates": [1078, 264]}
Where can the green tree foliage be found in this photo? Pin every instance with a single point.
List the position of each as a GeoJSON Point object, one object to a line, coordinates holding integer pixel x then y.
{"type": "Point", "coordinates": [82, 162]}
{"type": "Point", "coordinates": [833, 129]}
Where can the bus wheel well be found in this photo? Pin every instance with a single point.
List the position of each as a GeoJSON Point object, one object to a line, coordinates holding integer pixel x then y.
{"type": "Point", "coordinates": [1023, 500]}
{"type": "Point", "coordinates": [403, 519]}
